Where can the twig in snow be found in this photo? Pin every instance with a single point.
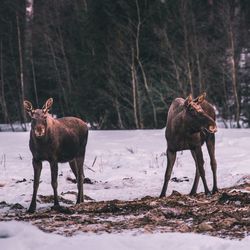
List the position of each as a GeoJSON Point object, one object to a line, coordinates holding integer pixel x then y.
{"type": "Point", "coordinates": [3, 161]}
{"type": "Point", "coordinates": [90, 168]}
{"type": "Point", "coordinates": [130, 150]}
{"type": "Point", "coordinates": [93, 162]}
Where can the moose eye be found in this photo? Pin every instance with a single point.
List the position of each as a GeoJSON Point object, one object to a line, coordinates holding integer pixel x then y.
{"type": "Point", "coordinates": [191, 109]}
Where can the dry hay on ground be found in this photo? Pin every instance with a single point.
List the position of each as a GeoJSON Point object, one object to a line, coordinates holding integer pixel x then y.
{"type": "Point", "coordinates": [225, 214]}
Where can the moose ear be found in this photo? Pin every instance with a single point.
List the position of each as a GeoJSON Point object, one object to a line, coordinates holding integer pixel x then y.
{"type": "Point", "coordinates": [188, 100]}
{"type": "Point", "coordinates": [47, 106]}
{"type": "Point", "coordinates": [28, 107]}
{"type": "Point", "coordinates": [201, 98]}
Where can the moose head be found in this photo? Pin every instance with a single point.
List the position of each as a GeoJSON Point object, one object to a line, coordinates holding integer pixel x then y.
{"type": "Point", "coordinates": [38, 117]}
{"type": "Point", "coordinates": [200, 118]}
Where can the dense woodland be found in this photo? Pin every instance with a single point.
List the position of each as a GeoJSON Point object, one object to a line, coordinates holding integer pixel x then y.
{"type": "Point", "coordinates": [118, 64]}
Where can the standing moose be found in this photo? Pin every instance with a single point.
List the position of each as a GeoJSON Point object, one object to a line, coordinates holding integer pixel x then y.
{"type": "Point", "coordinates": [190, 123]}
{"type": "Point", "coordinates": [56, 140]}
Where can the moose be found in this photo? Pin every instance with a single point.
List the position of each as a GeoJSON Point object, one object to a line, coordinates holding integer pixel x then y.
{"type": "Point", "coordinates": [56, 141]}
{"type": "Point", "coordinates": [190, 123]}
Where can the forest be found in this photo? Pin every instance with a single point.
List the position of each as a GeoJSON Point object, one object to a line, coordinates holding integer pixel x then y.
{"type": "Point", "coordinates": [119, 64]}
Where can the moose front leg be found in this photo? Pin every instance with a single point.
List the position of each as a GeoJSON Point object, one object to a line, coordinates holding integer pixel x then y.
{"type": "Point", "coordinates": [37, 166]}
{"type": "Point", "coordinates": [211, 151]}
{"type": "Point", "coordinates": [80, 179]}
{"type": "Point", "coordinates": [197, 175]}
{"type": "Point", "coordinates": [54, 184]}
{"type": "Point", "coordinates": [200, 162]}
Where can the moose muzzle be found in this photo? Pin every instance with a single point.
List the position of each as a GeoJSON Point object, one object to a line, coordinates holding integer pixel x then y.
{"type": "Point", "coordinates": [212, 129]}
{"type": "Point", "coordinates": [40, 131]}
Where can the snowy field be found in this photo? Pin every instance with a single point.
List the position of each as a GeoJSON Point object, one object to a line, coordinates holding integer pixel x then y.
{"type": "Point", "coordinates": [124, 165]}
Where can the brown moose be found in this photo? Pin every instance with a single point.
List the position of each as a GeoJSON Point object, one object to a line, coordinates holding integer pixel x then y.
{"type": "Point", "coordinates": [56, 140]}
{"type": "Point", "coordinates": [190, 123]}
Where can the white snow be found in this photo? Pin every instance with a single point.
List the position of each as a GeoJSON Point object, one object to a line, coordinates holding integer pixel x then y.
{"type": "Point", "coordinates": [125, 165]}
{"type": "Point", "coordinates": [22, 236]}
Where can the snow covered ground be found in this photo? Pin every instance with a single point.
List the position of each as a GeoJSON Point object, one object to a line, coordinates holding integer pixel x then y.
{"type": "Point", "coordinates": [23, 236]}
{"type": "Point", "coordinates": [125, 165]}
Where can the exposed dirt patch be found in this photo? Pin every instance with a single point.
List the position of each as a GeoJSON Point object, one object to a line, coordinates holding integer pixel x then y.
{"type": "Point", "coordinates": [226, 214]}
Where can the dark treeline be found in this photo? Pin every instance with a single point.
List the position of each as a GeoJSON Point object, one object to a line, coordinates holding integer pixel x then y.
{"type": "Point", "coordinates": [120, 63]}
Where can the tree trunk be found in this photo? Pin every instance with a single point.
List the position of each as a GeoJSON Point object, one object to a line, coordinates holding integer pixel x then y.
{"type": "Point", "coordinates": [197, 56]}
{"type": "Point", "coordinates": [136, 108]}
{"type": "Point", "coordinates": [65, 62]}
{"type": "Point", "coordinates": [186, 47]}
{"type": "Point", "coordinates": [146, 87]}
{"type": "Point", "coordinates": [234, 74]}
{"type": "Point", "coordinates": [28, 48]}
{"type": "Point", "coordinates": [21, 71]}
{"type": "Point", "coordinates": [2, 96]}
{"type": "Point", "coordinates": [59, 80]}
{"type": "Point", "coordinates": [34, 79]}
{"type": "Point", "coordinates": [117, 107]}
{"type": "Point", "coordinates": [173, 61]}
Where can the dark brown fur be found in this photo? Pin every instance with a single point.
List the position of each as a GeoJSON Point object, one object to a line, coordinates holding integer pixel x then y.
{"type": "Point", "coordinates": [190, 123]}
{"type": "Point", "coordinates": [56, 141]}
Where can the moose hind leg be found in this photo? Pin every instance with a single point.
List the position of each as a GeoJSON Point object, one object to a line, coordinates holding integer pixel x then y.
{"type": "Point", "coordinates": [80, 177]}
{"type": "Point", "coordinates": [200, 161]}
{"type": "Point", "coordinates": [197, 175]}
{"type": "Point", "coordinates": [73, 166]}
{"type": "Point", "coordinates": [171, 156]}
{"type": "Point", "coordinates": [211, 151]}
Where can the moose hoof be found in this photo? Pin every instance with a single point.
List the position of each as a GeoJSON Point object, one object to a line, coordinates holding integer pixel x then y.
{"type": "Point", "coordinates": [215, 191]}
{"type": "Point", "coordinates": [61, 209]}
{"type": "Point", "coordinates": [192, 193]}
{"type": "Point", "coordinates": [162, 195]}
{"type": "Point", "coordinates": [31, 210]}
{"type": "Point", "coordinates": [208, 194]}
{"type": "Point", "coordinates": [56, 208]}
{"type": "Point", "coordinates": [79, 201]}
